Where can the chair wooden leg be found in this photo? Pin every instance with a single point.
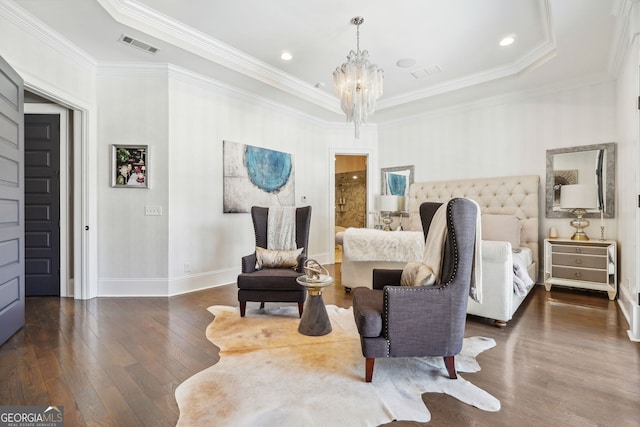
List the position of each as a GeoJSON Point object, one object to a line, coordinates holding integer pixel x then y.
{"type": "Point", "coordinates": [368, 373]}
{"type": "Point", "coordinates": [243, 308]}
{"type": "Point", "coordinates": [262, 305]}
{"type": "Point", "coordinates": [450, 363]}
{"type": "Point", "coordinates": [300, 308]}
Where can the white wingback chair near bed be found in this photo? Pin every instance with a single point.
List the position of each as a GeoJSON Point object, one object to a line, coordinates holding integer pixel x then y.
{"type": "Point", "coordinates": [509, 207]}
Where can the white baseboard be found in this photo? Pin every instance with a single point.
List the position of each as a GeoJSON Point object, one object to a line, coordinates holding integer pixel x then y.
{"type": "Point", "coordinates": [631, 311]}
{"type": "Point", "coordinates": [134, 287]}
{"type": "Point", "coordinates": [164, 287]}
{"type": "Point", "coordinates": [170, 286]}
{"type": "Point", "coordinates": [198, 282]}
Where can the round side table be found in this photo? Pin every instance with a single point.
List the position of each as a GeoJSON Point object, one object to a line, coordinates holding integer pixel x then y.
{"type": "Point", "coordinates": [315, 320]}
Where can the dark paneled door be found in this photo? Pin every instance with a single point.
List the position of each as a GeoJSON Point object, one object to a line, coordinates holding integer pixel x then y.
{"type": "Point", "coordinates": [11, 202]}
{"type": "Point", "coordinates": [42, 204]}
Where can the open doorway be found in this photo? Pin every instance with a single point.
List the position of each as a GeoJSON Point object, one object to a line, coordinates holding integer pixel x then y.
{"type": "Point", "coordinates": [40, 110]}
{"type": "Point", "coordinates": [350, 195]}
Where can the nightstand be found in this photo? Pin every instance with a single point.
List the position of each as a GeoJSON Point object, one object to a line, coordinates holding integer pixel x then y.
{"type": "Point", "coordinates": [586, 264]}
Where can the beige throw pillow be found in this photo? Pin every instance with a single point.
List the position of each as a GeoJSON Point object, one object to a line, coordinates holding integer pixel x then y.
{"type": "Point", "coordinates": [266, 258]}
{"type": "Point", "coordinates": [417, 274]}
{"type": "Point", "coordinates": [505, 228]}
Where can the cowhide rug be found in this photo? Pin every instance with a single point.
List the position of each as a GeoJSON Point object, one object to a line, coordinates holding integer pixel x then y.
{"type": "Point", "coordinates": [271, 375]}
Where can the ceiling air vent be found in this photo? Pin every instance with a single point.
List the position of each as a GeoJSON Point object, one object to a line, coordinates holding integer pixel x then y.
{"type": "Point", "coordinates": [419, 74]}
{"type": "Point", "coordinates": [137, 44]}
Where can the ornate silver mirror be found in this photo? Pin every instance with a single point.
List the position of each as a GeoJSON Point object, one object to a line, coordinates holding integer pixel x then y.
{"type": "Point", "coordinates": [589, 164]}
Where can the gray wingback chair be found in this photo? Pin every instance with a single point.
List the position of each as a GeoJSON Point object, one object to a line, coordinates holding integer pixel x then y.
{"type": "Point", "coordinates": [419, 321]}
{"type": "Point", "coordinates": [273, 284]}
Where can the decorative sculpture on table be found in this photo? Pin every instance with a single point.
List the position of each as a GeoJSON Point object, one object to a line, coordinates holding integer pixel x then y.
{"type": "Point", "coordinates": [314, 271]}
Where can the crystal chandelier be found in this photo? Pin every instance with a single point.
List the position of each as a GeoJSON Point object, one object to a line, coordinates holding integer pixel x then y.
{"type": "Point", "coordinates": [358, 83]}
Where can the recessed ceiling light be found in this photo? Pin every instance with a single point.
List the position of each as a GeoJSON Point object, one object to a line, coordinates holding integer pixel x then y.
{"type": "Point", "coordinates": [406, 62]}
{"type": "Point", "coordinates": [286, 56]}
{"type": "Point", "coordinates": [508, 40]}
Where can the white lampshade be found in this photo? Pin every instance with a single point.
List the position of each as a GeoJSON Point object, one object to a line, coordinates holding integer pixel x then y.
{"type": "Point", "coordinates": [578, 196]}
{"type": "Point", "coordinates": [390, 203]}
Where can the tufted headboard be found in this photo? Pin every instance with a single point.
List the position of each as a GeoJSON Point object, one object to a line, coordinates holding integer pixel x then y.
{"type": "Point", "coordinates": [509, 195]}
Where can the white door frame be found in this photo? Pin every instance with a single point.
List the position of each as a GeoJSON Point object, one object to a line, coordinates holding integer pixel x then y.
{"type": "Point", "coordinates": [66, 286]}
{"type": "Point", "coordinates": [331, 202]}
{"type": "Point", "coordinates": [85, 256]}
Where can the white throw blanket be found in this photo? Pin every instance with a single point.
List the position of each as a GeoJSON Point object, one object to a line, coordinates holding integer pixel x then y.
{"type": "Point", "coordinates": [281, 228]}
{"type": "Point", "coordinates": [367, 244]}
{"type": "Point", "coordinates": [435, 245]}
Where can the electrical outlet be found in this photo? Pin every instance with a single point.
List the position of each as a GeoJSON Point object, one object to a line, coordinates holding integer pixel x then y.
{"type": "Point", "coordinates": [187, 267]}
{"type": "Point", "coordinates": [153, 210]}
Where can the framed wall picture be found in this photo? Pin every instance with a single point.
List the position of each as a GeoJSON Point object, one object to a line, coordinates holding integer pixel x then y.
{"type": "Point", "coordinates": [256, 176]}
{"type": "Point", "coordinates": [130, 166]}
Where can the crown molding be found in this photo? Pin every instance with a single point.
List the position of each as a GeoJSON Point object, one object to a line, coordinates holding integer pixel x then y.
{"type": "Point", "coordinates": [144, 69]}
{"type": "Point", "coordinates": [534, 58]}
{"type": "Point", "coordinates": [207, 83]}
{"type": "Point", "coordinates": [143, 18]}
{"type": "Point", "coordinates": [167, 29]}
{"type": "Point", "coordinates": [515, 96]}
{"type": "Point", "coordinates": [42, 32]}
{"type": "Point", "coordinates": [627, 29]}
{"type": "Point", "coordinates": [173, 72]}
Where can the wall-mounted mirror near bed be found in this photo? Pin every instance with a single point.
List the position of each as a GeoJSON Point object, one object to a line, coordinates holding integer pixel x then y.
{"type": "Point", "coordinates": [588, 164]}
{"type": "Point", "coordinates": [396, 181]}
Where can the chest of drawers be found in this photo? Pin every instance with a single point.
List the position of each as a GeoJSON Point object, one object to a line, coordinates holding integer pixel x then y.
{"type": "Point", "coordinates": [581, 264]}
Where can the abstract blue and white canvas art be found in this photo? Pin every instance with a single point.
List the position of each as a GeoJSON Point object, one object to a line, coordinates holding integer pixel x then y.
{"type": "Point", "coordinates": [255, 176]}
{"type": "Point", "coordinates": [397, 184]}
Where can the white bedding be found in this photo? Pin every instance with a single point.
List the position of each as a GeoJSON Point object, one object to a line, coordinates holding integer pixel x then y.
{"type": "Point", "coordinates": [366, 244]}
{"type": "Point", "coordinates": [522, 282]}
{"type": "Point", "coordinates": [524, 254]}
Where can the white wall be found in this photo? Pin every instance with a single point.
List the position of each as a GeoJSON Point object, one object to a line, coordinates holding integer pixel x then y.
{"type": "Point", "coordinates": [184, 119]}
{"type": "Point", "coordinates": [628, 184]}
{"type": "Point", "coordinates": [53, 67]}
{"type": "Point", "coordinates": [202, 116]}
{"type": "Point", "coordinates": [133, 250]}
{"type": "Point", "coordinates": [504, 136]}
{"type": "Point", "coordinates": [27, 47]}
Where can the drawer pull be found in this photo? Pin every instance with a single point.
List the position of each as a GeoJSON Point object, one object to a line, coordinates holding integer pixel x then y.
{"type": "Point", "coordinates": [579, 250]}
{"type": "Point", "coordinates": [578, 260]}
{"type": "Point", "coordinates": [578, 274]}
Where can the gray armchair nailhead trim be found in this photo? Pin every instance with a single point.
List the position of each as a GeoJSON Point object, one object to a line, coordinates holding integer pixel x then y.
{"type": "Point", "coordinates": [385, 331]}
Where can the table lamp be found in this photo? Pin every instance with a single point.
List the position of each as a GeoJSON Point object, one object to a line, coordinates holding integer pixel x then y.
{"type": "Point", "coordinates": [578, 198]}
{"type": "Point", "coordinates": [388, 204]}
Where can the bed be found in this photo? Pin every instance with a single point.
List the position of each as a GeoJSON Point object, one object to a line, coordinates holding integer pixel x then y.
{"type": "Point", "coordinates": [510, 249]}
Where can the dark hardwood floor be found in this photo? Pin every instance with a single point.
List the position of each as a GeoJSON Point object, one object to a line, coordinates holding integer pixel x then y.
{"type": "Point", "coordinates": [564, 360]}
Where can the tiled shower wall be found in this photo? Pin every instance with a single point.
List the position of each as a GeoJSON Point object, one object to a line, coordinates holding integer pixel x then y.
{"type": "Point", "coordinates": [351, 199]}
